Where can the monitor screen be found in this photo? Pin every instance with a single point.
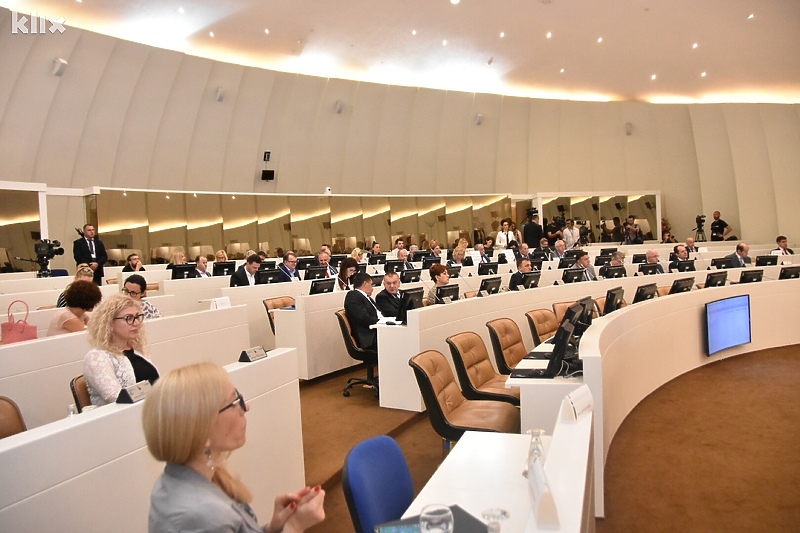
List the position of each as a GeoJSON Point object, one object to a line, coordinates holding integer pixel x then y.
{"type": "Point", "coordinates": [584, 317]}
{"type": "Point", "coordinates": [409, 299]}
{"type": "Point", "coordinates": [562, 339]}
{"type": "Point", "coordinates": [410, 276]}
{"type": "Point", "coordinates": [720, 262]}
{"type": "Point", "coordinates": [490, 285]}
{"type": "Point", "coordinates": [419, 254]}
{"type": "Point", "coordinates": [571, 253]}
{"type": "Point", "coordinates": [607, 251]}
{"type": "Point", "coordinates": [645, 292]}
{"type": "Point", "coordinates": [572, 275]}
{"type": "Point", "coordinates": [265, 277]}
{"type": "Point", "coordinates": [454, 271]}
{"type": "Point", "coordinates": [790, 272]}
{"type": "Point", "coordinates": [685, 266]}
{"type": "Point", "coordinates": [766, 260]}
{"type": "Point", "coordinates": [377, 259]}
{"type": "Point", "coordinates": [681, 285]}
{"type": "Point", "coordinates": [536, 264]}
{"type": "Point", "coordinates": [613, 300]}
{"type": "Point", "coordinates": [648, 269]}
{"type": "Point", "coordinates": [361, 268]}
{"type": "Point", "coordinates": [336, 259]}
{"type": "Point", "coordinates": [322, 286]}
{"type": "Point", "coordinates": [448, 291]}
{"type": "Point", "coordinates": [601, 260]}
{"type": "Point", "coordinates": [377, 280]}
{"type": "Point", "coordinates": [541, 255]}
{"type": "Point", "coordinates": [502, 259]}
{"type": "Point", "coordinates": [430, 260]}
{"type": "Point", "coordinates": [223, 268]}
{"type": "Point", "coordinates": [487, 269]}
{"type": "Point", "coordinates": [267, 265]}
{"type": "Point", "coordinates": [186, 271]}
{"type": "Point", "coordinates": [530, 280]}
{"type": "Point", "coordinates": [393, 265]}
{"type": "Point", "coordinates": [566, 262]}
{"type": "Point", "coordinates": [727, 323]}
{"type": "Point", "coordinates": [316, 272]}
{"type": "Point", "coordinates": [639, 258]}
{"type": "Point", "coordinates": [616, 271]}
{"type": "Point", "coordinates": [751, 276]}
{"type": "Point", "coordinates": [304, 262]}
{"type": "Point", "coordinates": [716, 279]}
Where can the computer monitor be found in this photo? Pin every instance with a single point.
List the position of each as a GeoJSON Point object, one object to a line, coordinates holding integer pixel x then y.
{"type": "Point", "coordinates": [648, 269]}
{"type": "Point", "coordinates": [449, 254]}
{"type": "Point", "coordinates": [361, 268]}
{"type": "Point", "coordinates": [639, 258]}
{"type": "Point", "coordinates": [790, 272]}
{"type": "Point", "coordinates": [430, 260]}
{"type": "Point", "coordinates": [530, 280]}
{"type": "Point", "coordinates": [716, 279]}
{"type": "Point", "coordinates": [584, 318]}
{"type": "Point", "coordinates": [419, 254]}
{"type": "Point", "coordinates": [556, 364]}
{"type": "Point", "coordinates": [223, 268]}
{"type": "Point", "coordinates": [727, 323]}
{"type": "Point", "coordinates": [673, 257]}
{"type": "Point", "coordinates": [186, 271]}
{"type": "Point", "coordinates": [265, 277]}
{"type": "Point", "coordinates": [766, 260]}
{"type": "Point", "coordinates": [454, 271]}
{"type": "Point", "coordinates": [487, 269]}
{"type": "Point", "coordinates": [393, 265]}
{"type": "Point", "coordinates": [409, 299]}
{"type": "Point", "coordinates": [447, 293]}
{"type": "Point", "coordinates": [502, 259]}
{"type": "Point", "coordinates": [573, 252]}
{"type": "Point", "coordinates": [540, 255]}
{"type": "Point", "coordinates": [645, 292]}
{"type": "Point", "coordinates": [720, 262]}
{"type": "Point", "coordinates": [410, 276]}
{"type": "Point", "coordinates": [536, 264]}
{"type": "Point", "coordinates": [377, 259]}
{"type": "Point", "coordinates": [607, 251]}
{"type": "Point", "coordinates": [566, 262]}
{"type": "Point", "coordinates": [304, 262]}
{"type": "Point", "coordinates": [267, 265]}
{"type": "Point", "coordinates": [685, 266]}
{"type": "Point", "coordinates": [615, 271]}
{"type": "Point", "coordinates": [316, 272]}
{"type": "Point", "coordinates": [572, 275]}
{"type": "Point", "coordinates": [751, 276]}
{"type": "Point", "coordinates": [601, 260]}
{"type": "Point", "coordinates": [490, 285]}
{"type": "Point", "coordinates": [336, 259]}
{"type": "Point", "coordinates": [377, 280]}
{"type": "Point", "coordinates": [613, 300]}
{"type": "Point", "coordinates": [322, 286]}
{"type": "Point", "coordinates": [681, 285]}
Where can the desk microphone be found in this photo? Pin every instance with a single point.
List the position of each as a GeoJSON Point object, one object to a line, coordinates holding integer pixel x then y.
{"type": "Point", "coordinates": [471, 288]}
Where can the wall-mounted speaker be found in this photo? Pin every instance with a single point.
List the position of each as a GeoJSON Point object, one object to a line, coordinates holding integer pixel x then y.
{"type": "Point", "coordinates": [268, 175]}
{"type": "Point", "coordinates": [59, 66]}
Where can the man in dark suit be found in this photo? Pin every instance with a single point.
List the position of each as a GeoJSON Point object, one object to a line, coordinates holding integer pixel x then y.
{"type": "Point", "coordinates": [402, 255]}
{"type": "Point", "coordinates": [362, 311]}
{"type": "Point", "coordinates": [289, 267]}
{"type": "Point", "coordinates": [532, 232]}
{"type": "Point", "coordinates": [388, 299]}
{"type": "Point", "coordinates": [324, 260]}
{"type": "Point", "coordinates": [584, 262]}
{"type": "Point", "coordinates": [523, 267]}
{"type": "Point", "coordinates": [244, 277]}
{"type": "Point", "coordinates": [783, 246]}
{"type": "Point", "coordinates": [90, 250]}
{"type": "Point", "coordinates": [739, 258]}
{"type": "Point", "coordinates": [690, 247]}
{"type": "Point", "coordinates": [680, 255]}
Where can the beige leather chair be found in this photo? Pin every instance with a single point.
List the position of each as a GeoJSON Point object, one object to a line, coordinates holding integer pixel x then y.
{"type": "Point", "coordinates": [663, 291]}
{"type": "Point", "coordinates": [11, 421]}
{"type": "Point", "coordinates": [560, 309]}
{"type": "Point", "coordinates": [478, 378]}
{"type": "Point", "coordinates": [80, 392]}
{"type": "Point", "coordinates": [543, 324]}
{"type": "Point", "coordinates": [507, 344]}
{"type": "Point", "coordinates": [270, 304]}
{"type": "Point", "coordinates": [450, 413]}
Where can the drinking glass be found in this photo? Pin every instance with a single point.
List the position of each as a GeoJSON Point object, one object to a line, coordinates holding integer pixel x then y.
{"type": "Point", "coordinates": [493, 516]}
{"type": "Point", "coordinates": [436, 519]}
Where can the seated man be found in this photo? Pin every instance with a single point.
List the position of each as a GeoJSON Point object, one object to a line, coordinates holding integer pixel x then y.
{"type": "Point", "coordinates": [584, 262]}
{"type": "Point", "coordinates": [133, 264]}
{"type": "Point", "coordinates": [201, 267]}
{"type": "Point", "coordinates": [388, 299]}
{"type": "Point", "coordinates": [289, 267]}
{"type": "Point", "coordinates": [399, 244]}
{"type": "Point", "coordinates": [652, 259]}
{"type": "Point", "coordinates": [362, 312]}
{"type": "Point", "coordinates": [739, 258]}
{"type": "Point", "coordinates": [402, 255]}
{"type": "Point", "coordinates": [561, 248]}
{"type": "Point", "coordinates": [136, 287]}
{"type": "Point", "coordinates": [523, 267]}
{"type": "Point", "coordinates": [324, 259]}
{"type": "Point", "coordinates": [680, 255]}
{"type": "Point", "coordinates": [244, 277]}
{"type": "Point", "coordinates": [783, 246]}
{"type": "Point", "coordinates": [544, 248]}
{"type": "Point", "coordinates": [617, 259]}
{"type": "Point", "coordinates": [524, 251]}
{"type": "Point", "coordinates": [690, 247]}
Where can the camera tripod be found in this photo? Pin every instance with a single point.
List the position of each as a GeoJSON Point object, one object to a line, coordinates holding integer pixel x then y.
{"type": "Point", "coordinates": [699, 235]}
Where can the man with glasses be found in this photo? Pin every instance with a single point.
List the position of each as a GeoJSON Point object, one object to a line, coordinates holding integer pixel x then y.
{"type": "Point", "coordinates": [289, 267]}
{"type": "Point", "coordinates": [136, 287]}
{"type": "Point", "coordinates": [133, 264]}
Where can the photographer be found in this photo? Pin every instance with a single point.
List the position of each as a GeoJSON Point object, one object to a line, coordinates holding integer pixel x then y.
{"type": "Point", "coordinates": [633, 233]}
{"type": "Point", "coordinates": [719, 228]}
{"type": "Point", "coordinates": [90, 250]}
{"type": "Point", "coordinates": [553, 232]}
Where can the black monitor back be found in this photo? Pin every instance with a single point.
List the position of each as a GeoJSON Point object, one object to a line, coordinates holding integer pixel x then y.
{"type": "Point", "coordinates": [686, 266]}
{"type": "Point", "coordinates": [377, 280]}
{"type": "Point", "coordinates": [393, 265]}
{"type": "Point", "coordinates": [430, 260]}
{"type": "Point", "coordinates": [223, 268]}
{"type": "Point", "coordinates": [607, 251]}
{"type": "Point", "coordinates": [447, 291]}
{"type": "Point", "coordinates": [616, 271]}
{"type": "Point", "coordinates": [601, 260]}
{"type": "Point", "coordinates": [322, 286]}
{"type": "Point", "coordinates": [566, 262]}
{"type": "Point", "coordinates": [751, 276]}
{"type": "Point", "coordinates": [304, 262]}
{"type": "Point", "coordinates": [409, 299]}
{"type": "Point", "coordinates": [530, 280]}
{"type": "Point", "coordinates": [790, 272]}
{"type": "Point", "coordinates": [410, 276]}
{"type": "Point", "coordinates": [648, 269]}
{"type": "Point", "coordinates": [316, 272]}
{"type": "Point", "coordinates": [487, 269]}
{"type": "Point", "coordinates": [572, 275]}
{"type": "Point", "coordinates": [720, 262]}
{"type": "Point", "coordinates": [490, 285]}
{"type": "Point", "coordinates": [681, 285]}
{"type": "Point", "coordinates": [639, 258]}
{"type": "Point", "coordinates": [613, 300]}
{"type": "Point", "coordinates": [265, 277]}
{"type": "Point", "coordinates": [454, 271]}
{"type": "Point", "coordinates": [716, 279]}
{"type": "Point", "coordinates": [766, 260]}
{"type": "Point", "coordinates": [186, 271]}
{"type": "Point", "coordinates": [645, 292]}
{"type": "Point", "coordinates": [377, 259]}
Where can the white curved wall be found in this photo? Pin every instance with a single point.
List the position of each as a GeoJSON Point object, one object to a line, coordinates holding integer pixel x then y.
{"type": "Point", "coordinates": [128, 115]}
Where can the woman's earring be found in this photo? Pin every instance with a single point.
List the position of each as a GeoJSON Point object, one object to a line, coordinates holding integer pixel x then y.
{"type": "Point", "coordinates": [209, 461]}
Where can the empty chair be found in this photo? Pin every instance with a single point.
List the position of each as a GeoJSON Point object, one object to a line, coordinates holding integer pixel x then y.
{"type": "Point", "coordinates": [543, 324]}
{"type": "Point", "coordinates": [11, 421]}
{"type": "Point", "coordinates": [270, 304]}
{"type": "Point", "coordinates": [449, 412]}
{"type": "Point", "coordinates": [479, 380]}
{"type": "Point", "coordinates": [80, 392]}
{"type": "Point", "coordinates": [369, 357]}
{"type": "Point", "coordinates": [377, 483]}
{"type": "Point", "coordinates": [560, 309]}
{"type": "Point", "coordinates": [663, 291]}
{"type": "Point", "coordinates": [506, 344]}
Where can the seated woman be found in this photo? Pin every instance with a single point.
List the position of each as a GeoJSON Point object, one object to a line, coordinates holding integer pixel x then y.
{"type": "Point", "coordinates": [115, 360]}
{"type": "Point", "coordinates": [193, 418]}
{"type": "Point", "coordinates": [84, 272]}
{"type": "Point", "coordinates": [178, 258]}
{"type": "Point", "coordinates": [220, 256]}
{"type": "Point", "coordinates": [347, 269]}
{"type": "Point", "coordinates": [81, 297]}
{"type": "Point", "coordinates": [358, 255]}
{"type": "Point", "coordinates": [440, 278]}
{"type": "Point", "coordinates": [458, 257]}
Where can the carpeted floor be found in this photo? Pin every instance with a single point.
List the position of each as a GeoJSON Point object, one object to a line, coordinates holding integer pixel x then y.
{"type": "Point", "coordinates": [714, 450]}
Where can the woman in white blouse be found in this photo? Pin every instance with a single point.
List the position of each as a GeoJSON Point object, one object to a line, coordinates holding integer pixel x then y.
{"type": "Point", "coordinates": [116, 359]}
{"type": "Point", "coordinates": [81, 296]}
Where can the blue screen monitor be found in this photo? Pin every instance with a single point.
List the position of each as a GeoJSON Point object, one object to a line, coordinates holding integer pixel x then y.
{"type": "Point", "coordinates": [727, 323]}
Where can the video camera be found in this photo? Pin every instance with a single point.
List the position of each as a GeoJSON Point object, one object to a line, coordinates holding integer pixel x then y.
{"type": "Point", "coordinates": [45, 251]}
{"type": "Point", "coordinates": [699, 220]}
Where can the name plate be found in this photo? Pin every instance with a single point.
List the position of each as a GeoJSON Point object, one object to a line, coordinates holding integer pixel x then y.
{"type": "Point", "coordinates": [483, 293]}
{"type": "Point", "coordinates": [223, 302]}
{"type": "Point", "coordinates": [134, 393]}
{"type": "Point", "coordinates": [577, 404]}
{"type": "Point", "coordinates": [447, 300]}
{"type": "Point", "coordinates": [544, 505]}
{"type": "Point", "coordinates": [252, 354]}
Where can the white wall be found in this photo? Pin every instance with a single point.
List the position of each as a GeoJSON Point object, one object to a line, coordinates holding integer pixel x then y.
{"type": "Point", "coordinates": [127, 115]}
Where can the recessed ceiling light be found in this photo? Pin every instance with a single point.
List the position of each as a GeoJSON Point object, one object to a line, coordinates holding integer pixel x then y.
{"type": "Point", "coordinates": [444, 42]}
{"type": "Point", "coordinates": [124, 193]}
{"type": "Point", "coordinates": [79, 1]}
{"type": "Point", "coordinates": [549, 34]}
{"type": "Point", "coordinates": [181, 10]}
{"type": "Point", "coordinates": [694, 45]}
{"type": "Point", "coordinates": [168, 197]}
{"type": "Point", "coordinates": [599, 39]}
{"type": "Point", "coordinates": [233, 197]}
{"type": "Point", "coordinates": [211, 34]}
{"type": "Point", "coordinates": [413, 32]}
{"type": "Point", "coordinates": [195, 195]}
{"type": "Point", "coordinates": [703, 75]}
{"type": "Point", "coordinates": [562, 71]}
{"type": "Point", "coordinates": [502, 34]}
{"type": "Point", "coordinates": [752, 16]}
{"type": "Point", "coordinates": [454, 2]}
{"type": "Point", "coordinates": [653, 77]}
{"type": "Point", "coordinates": [266, 30]}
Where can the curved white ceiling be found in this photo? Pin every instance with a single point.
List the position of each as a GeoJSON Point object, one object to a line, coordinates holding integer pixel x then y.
{"type": "Point", "coordinates": [646, 50]}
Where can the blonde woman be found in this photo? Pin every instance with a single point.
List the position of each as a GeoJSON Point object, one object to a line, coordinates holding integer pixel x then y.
{"type": "Point", "coordinates": [117, 341]}
{"type": "Point", "coordinates": [178, 258]}
{"type": "Point", "coordinates": [193, 419]}
{"type": "Point", "coordinates": [458, 257]}
{"type": "Point", "coordinates": [358, 255]}
{"type": "Point", "coordinates": [220, 256]}
{"type": "Point", "coordinates": [84, 273]}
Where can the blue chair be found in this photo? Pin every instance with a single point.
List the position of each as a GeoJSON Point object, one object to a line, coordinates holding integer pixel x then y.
{"type": "Point", "coordinates": [376, 482]}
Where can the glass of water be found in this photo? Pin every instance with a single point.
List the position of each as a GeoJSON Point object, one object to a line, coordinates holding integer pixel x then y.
{"type": "Point", "coordinates": [436, 519]}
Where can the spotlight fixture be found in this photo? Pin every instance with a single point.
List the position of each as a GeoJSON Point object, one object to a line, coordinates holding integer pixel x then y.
{"type": "Point", "coordinates": [59, 66]}
{"type": "Point", "coordinates": [220, 94]}
{"type": "Point", "coordinates": [339, 107]}
{"type": "Point", "coordinates": [478, 119]}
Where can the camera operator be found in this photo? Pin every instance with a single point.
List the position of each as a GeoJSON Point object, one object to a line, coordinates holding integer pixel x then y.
{"type": "Point", "coordinates": [632, 231]}
{"type": "Point", "coordinates": [572, 235]}
{"type": "Point", "coordinates": [553, 232]}
{"type": "Point", "coordinates": [719, 228]}
{"type": "Point", "coordinates": [90, 250]}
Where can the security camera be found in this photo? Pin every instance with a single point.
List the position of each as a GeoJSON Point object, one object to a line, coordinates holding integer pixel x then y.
{"type": "Point", "coordinates": [328, 190]}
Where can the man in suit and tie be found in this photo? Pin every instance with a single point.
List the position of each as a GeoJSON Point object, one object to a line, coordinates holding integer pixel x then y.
{"type": "Point", "coordinates": [324, 259]}
{"type": "Point", "coordinates": [783, 246]}
{"type": "Point", "coordinates": [402, 255]}
{"type": "Point", "coordinates": [518, 277]}
{"type": "Point", "coordinates": [680, 255]}
{"type": "Point", "coordinates": [362, 311]}
{"type": "Point", "coordinates": [739, 258]}
{"type": "Point", "coordinates": [244, 277]}
{"type": "Point", "coordinates": [690, 247]}
{"type": "Point", "coordinates": [90, 250]}
{"type": "Point", "coordinates": [201, 267]}
{"type": "Point", "coordinates": [289, 267]}
{"type": "Point", "coordinates": [584, 262]}
{"type": "Point", "coordinates": [388, 299]}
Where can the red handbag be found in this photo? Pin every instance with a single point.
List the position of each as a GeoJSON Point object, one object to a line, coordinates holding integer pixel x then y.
{"type": "Point", "coordinates": [16, 331]}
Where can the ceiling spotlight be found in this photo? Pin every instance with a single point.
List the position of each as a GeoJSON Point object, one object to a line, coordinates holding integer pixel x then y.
{"type": "Point", "coordinates": [266, 30]}
{"type": "Point", "coordinates": [181, 10]}
{"type": "Point", "coordinates": [549, 34]}
{"type": "Point", "coordinates": [562, 71]}
{"type": "Point", "coordinates": [444, 42]}
{"type": "Point", "coordinates": [599, 39]}
{"type": "Point", "coordinates": [703, 75]}
{"type": "Point", "coordinates": [502, 34]}
{"type": "Point", "coordinates": [413, 32]}
{"type": "Point", "coordinates": [752, 16]}
{"type": "Point", "coordinates": [694, 45]}
{"type": "Point", "coordinates": [653, 77]}
{"type": "Point", "coordinates": [211, 34]}
{"type": "Point", "coordinates": [455, 2]}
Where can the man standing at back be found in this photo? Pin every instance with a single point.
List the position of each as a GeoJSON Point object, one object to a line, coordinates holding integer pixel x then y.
{"type": "Point", "coordinates": [362, 311]}
{"type": "Point", "coordinates": [532, 232]}
{"type": "Point", "coordinates": [90, 250]}
{"type": "Point", "coordinates": [719, 228]}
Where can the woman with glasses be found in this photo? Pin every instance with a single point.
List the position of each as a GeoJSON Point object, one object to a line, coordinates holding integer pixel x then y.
{"type": "Point", "coordinates": [193, 418]}
{"type": "Point", "coordinates": [347, 269]}
{"type": "Point", "coordinates": [115, 360]}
